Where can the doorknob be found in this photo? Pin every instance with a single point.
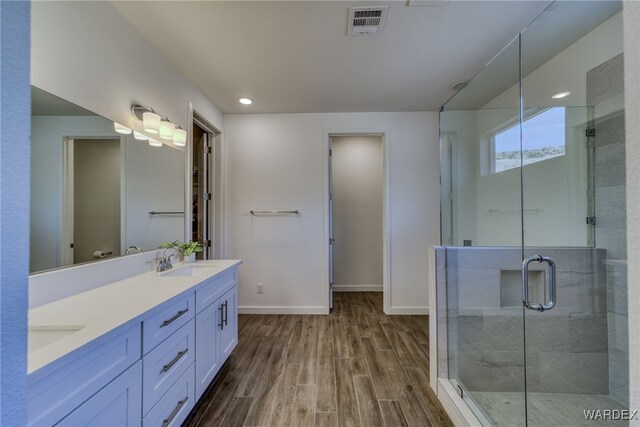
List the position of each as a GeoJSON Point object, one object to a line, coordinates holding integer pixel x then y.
{"type": "Point", "coordinates": [551, 283]}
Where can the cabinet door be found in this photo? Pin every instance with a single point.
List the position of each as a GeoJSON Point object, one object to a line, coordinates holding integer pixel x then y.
{"type": "Point", "coordinates": [207, 346]}
{"type": "Point", "coordinates": [229, 328]}
{"type": "Point", "coordinates": [117, 404]}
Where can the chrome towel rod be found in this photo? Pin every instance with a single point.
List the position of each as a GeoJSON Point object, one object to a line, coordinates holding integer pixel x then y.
{"type": "Point", "coordinates": [295, 212]}
{"type": "Point", "coordinates": [165, 213]}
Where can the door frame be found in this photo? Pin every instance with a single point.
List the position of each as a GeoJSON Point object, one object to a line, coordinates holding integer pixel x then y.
{"type": "Point", "coordinates": [216, 183]}
{"type": "Point", "coordinates": [384, 133]}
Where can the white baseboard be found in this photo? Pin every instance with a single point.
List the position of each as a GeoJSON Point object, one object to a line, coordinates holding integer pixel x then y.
{"type": "Point", "coordinates": [358, 288]}
{"type": "Point", "coordinates": [422, 311]}
{"type": "Point", "coordinates": [281, 310]}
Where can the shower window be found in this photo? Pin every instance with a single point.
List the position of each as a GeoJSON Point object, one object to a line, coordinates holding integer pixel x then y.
{"type": "Point", "coordinates": [545, 139]}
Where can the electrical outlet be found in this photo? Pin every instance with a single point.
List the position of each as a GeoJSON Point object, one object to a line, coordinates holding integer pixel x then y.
{"type": "Point", "coordinates": [260, 288]}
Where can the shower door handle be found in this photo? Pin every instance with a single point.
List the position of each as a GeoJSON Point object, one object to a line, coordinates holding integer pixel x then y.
{"type": "Point", "coordinates": [551, 283]}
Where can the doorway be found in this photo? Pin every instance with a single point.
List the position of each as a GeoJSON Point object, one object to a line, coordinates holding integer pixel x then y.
{"type": "Point", "coordinates": [356, 213]}
{"type": "Point", "coordinates": [92, 228]}
{"type": "Point", "coordinates": [204, 154]}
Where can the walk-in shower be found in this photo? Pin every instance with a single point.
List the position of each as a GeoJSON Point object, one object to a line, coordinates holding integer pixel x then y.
{"type": "Point", "coordinates": [533, 178]}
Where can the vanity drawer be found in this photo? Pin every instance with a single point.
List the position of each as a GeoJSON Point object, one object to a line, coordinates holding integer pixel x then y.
{"type": "Point", "coordinates": [165, 320]}
{"type": "Point", "coordinates": [166, 363]}
{"type": "Point", "coordinates": [175, 405]}
{"type": "Point", "coordinates": [65, 389]}
{"type": "Point", "coordinates": [209, 293]}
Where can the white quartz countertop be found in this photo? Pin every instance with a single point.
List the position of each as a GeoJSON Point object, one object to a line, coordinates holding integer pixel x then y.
{"type": "Point", "coordinates": [79, 319]}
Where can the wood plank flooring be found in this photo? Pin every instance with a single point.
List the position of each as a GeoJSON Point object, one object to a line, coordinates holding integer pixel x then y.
{"type": "Point", "coordinates": [355, 367]}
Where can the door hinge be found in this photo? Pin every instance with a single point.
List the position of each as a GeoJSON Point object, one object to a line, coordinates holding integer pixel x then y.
{"type": "Point", "coordinates": [591, 220]}
{"type": "Point", "coordinates": [330, 153]}
{"type": "Point", "coordinates": [330, 196]}
{"type": "Point", "coordinates": [209, 149]}
{"type": "Point", "coordinates": [590, 132]}
{"type": "Point", "coordinates": [331, 240]}
{"type": "Point", "coordinates": [71, 246]}
{"type": "Point", "coordinates": [459, 389]}
{"type": "Point", "coordinates": [208, 196]}
{"type": "Point", "coordinates": [206, 243]}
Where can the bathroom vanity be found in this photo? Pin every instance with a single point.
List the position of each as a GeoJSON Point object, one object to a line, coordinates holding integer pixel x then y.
{"type": "Point", "coordinates": [139, 351]}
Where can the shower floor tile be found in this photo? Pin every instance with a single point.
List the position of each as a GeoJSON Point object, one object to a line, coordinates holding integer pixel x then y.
{"type": "Point", "coordinates": [545, 409]}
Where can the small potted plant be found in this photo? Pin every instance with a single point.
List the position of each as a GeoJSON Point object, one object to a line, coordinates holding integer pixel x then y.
{"type": "Point", "coordinates": [189, 249]}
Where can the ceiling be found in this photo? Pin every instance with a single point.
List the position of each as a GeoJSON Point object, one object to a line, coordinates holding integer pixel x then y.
{"type": "Point", "coordinates": [295, 56]}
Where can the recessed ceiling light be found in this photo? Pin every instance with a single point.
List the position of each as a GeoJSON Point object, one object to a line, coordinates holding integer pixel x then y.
{"type": "Point", "coordinates": [459, 85]}
{"type": "Point", "coordinates": [561, 95]}
{"type": "Point", "coordinates": [245, 101]}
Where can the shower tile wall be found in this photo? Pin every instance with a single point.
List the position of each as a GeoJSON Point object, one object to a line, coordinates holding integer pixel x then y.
{"type": "Point", "coordinates": [605, 93]}
{"type": "Point", "coordinates": [486, 341]}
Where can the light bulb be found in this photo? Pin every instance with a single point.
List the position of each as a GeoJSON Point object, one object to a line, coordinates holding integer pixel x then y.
{"type": "Point", "coordinates": [121, 129]}
{"type": "Point", "coordinates": [151, 122]}
{"type": "Point", "coordinates": [140, 136]}
{"type": "Point", "coordinates": [179, 137]}
{"type": "Point", "coordinates": [154, 143]}
{"type": "Point", "coordinates": [166, 130]}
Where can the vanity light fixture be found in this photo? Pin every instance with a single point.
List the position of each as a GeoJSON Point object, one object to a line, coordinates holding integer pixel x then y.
{"type": "Point", "coordinates": [140, 136]}
{"type": "Point", "coordinates": [179, 137]}
{"type": "Point", "coordinates": [121, 129]}
{"type": "Point", "coordinates": [155, 123]}
{"type": "Point", "coordinates": [166, 130]}
{"type": "Point", "coordinates": [561, 95]}
{"type": "Point", "coordinates": [154, 143]}
{"type": "Point", "coordinates": [245, 101]}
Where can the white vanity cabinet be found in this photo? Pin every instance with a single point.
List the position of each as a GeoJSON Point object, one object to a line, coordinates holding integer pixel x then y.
{"type": "Point", "coordinates": [117, 404]}
{"type": "Point", "coordinates": [59, 393]}
{"type": "Point", "coordinates": [149, 369]}
{"type": "Point", "coordinates": [216, 328]}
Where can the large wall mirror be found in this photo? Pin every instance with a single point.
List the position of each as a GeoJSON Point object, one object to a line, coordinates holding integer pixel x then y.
{"type": "Point", "coordinates": [95, 193]}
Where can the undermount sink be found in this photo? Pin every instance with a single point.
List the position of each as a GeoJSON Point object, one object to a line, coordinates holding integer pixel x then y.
{"type": "Point", "coordinates": [42, 335]}
{"type": "Point", "coordinates": [186, 271]}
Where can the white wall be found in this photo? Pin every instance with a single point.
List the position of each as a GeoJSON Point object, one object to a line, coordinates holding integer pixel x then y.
{"type": "Point", "coordinates": [279, 161]}
{"type": "Point", "coordinates": [14, 209]}
{"type": "Point", "coordinates": [89, 54]}
{"type": "Point", "coordinates": [153, 180]}
{"type": "Point", "coordinates": [632, 129]}
{"type": "Point", "coordinates": [357, 182]}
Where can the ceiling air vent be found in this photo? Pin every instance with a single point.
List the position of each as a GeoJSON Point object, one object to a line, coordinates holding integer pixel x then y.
{"type": "Point", "coordinates": [367, 20]}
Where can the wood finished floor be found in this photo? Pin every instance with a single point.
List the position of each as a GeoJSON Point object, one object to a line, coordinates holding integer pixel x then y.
{"type": "Point", "coordinates": [355, 367]}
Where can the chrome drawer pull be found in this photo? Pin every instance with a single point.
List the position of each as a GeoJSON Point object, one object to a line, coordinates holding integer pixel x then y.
{"type": "Point", "coordinates": [226, 312]}
{"type": "Point", "coordinates": [175, 411]}
{"type": "Point", "coordinates": [221, 324]}
{"type": "Point", "coordinates": [168, 366]}
{"type": "Point", "coordinates": [176, 316]}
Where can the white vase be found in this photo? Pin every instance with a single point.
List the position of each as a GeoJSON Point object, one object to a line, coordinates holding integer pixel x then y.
{"type": "Point", "coordinates": [190, 258]}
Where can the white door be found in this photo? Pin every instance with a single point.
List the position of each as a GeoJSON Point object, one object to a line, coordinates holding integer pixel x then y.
{"type": "Point", "coordinates": [331, 239]}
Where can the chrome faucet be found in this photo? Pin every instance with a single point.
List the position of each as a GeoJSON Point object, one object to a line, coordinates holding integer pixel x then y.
{"type": "Point", "coordinates": [165, 262]}
{"type": "Point", "coordinates": [133, 249]}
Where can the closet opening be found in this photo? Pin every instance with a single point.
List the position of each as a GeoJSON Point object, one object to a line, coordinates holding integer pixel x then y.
{"type": "Point", "coordinates": [357, 217]}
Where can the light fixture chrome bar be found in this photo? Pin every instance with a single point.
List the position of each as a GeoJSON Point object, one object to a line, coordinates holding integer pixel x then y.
{"type": "Point", "coordinates": [137, 110]}
{"type": "Point", "coordinates": [294, 212]}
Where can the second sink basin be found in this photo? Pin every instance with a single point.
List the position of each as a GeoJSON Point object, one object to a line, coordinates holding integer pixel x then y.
{"type": "Point", "coordinates": [186, 271]}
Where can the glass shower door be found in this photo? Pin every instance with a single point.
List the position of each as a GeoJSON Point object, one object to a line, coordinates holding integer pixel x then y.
{"type": "Point", "coordinates": [483, 227]}
{"type": "Point", "coordinates": [573, 204]}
